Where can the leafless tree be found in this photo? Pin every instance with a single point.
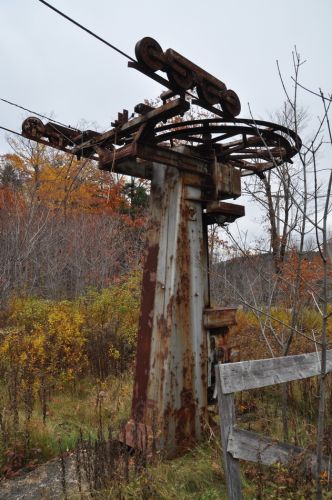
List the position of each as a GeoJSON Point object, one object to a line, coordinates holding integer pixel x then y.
{"type": "Point", "coordinates": [297, 203]}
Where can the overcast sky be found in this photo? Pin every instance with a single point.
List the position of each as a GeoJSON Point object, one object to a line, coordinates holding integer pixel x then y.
{"type": "Point", "coordinates": [50, 66]}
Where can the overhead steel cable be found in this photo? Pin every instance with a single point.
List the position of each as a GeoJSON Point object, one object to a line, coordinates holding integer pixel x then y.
{"type": "Point", "coordinates": [24, 137]}
{"type": "Point", "coordinates": [11, 131]}
{"type": "Point", "coordinates": [37, 114]}
{"type": "Point", "coordinates": [53, 123]}
{"type": "Point", "coordinates": [87, 30]}
{"type": "Point", "coordinates": [96, 36]}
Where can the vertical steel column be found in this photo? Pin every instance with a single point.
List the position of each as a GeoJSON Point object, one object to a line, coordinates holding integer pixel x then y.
{"type": "Point", "coordinates": [170, 387]}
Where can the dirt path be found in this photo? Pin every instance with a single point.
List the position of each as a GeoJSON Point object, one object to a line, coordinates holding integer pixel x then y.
{"type": "Point", "coordinates": [45, 482]}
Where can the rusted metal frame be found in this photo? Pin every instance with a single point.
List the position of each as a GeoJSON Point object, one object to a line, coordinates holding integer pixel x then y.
{"type": "Point", "coordinates": [250, 169]}
{"type": "Point", "coordinates": [253, 124]}
{"type": "Point", "coordinates": [209, 88]}
{"type": "Point", "coordinates": [183, 75]}
{"type": "Point", "coordinates": [262, 155]}
{"type": "Point", "coordinates": [143, 132]}
{"type": "Point", "coordinates": [183, 162]}
{"type": "Point", "coordinates": [221, 137]}
{"type": "Point", "coordinates": [275, 141]}
{"type": "Point", "coordinates": [47, 143]}
{"type": "Point", "coordinates": [198, 139]}
{"type": "Point", "coordinates": [182, 133]}
{"type": "Point", "coordinates": [275, 129]}
{"type": "Point", "coordinates": [57, 135]}
{"type": "Point", "coordinates": [157, 78]}
{"type": "Point", "coordinates": [129, 165]}
{"type": "Point", "coordinates": [255, 140]}
{"type": "Point", "coordinates": [257, 156]}
{"type": "Point", "coordinates": [121, 119]}
{"type": "Point", "coordinates": [170, 109]}
{"type": "Point", "coordinates": [219, 317]}
{"type": "Point", "coordinates": [213, 127]}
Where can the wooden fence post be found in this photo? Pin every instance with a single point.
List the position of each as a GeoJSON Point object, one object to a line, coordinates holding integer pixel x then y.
{"type": "Point", "coordinates": [246, 445]}
{"type": "Point", "coordinates": [227, 421]}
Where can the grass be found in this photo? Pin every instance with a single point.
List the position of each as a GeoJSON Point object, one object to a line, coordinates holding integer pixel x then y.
{"type": "Point", "coordinates": [196, 475]}
{"type": "Point", "coordinates": [70, 412]}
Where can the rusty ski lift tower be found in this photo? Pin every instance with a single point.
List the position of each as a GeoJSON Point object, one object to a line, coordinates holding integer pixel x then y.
{"type": "Point", "coordinates": [194, 165]}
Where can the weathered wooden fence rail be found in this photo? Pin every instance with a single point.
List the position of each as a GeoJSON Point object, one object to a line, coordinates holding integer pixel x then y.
{"type": "Point", "coordinates": [246, 445]}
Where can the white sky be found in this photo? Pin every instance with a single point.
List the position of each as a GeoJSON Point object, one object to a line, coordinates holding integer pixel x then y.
{"type": "Point", "coordinates": [51, 66]}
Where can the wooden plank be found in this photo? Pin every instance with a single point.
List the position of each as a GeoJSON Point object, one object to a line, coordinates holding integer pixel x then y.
{"type": "Point", "coordinates": [223, 208]}
{"type": "Point", "coordinates": [128, 166]}
{"type": "Point", "coordinates": [247, 445]}
{"type": "Point", "coordinates": [181, 161]}
{"type": "Point", "coordinates": [227, 420]}
{"type": "Point", "coordinates": [157, 154]}
{"type": "Point", "coordinates": [219, 317]}
{"type": "Point", "coordinates": [253, 374]}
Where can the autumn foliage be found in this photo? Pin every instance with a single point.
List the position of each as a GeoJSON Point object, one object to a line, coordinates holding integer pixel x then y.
{"type": "Point", "coordinates": [47, 345]}
{"type": "Point", "coordinates": [71, 242]}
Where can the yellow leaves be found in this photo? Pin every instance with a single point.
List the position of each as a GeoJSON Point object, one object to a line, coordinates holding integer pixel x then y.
{"type": "Point", "coordinates": [57, 340]}
{"type": "Point", "coordinates": [111, 323]}
{"type": "Point", "coordinates": [275, 324]}
{"type": "Point", "coordinates": [114, 353]}
{"type": "Point", "coordinates": [47, 339]}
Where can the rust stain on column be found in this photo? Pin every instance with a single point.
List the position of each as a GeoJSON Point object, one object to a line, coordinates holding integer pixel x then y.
{"type": "Point", "coordinates": [145, 333]}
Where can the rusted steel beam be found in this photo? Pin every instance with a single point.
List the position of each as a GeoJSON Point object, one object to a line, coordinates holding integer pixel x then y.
{"type": "Point", "coordinates": [163, 113]}
{"type": "Point", "coordinates": [183, 162]}
{"type": "Point", "coordinates": [219, 212]}
{"type": "Point", "coordinates": [223, 208]}
{"type": "Point", "coordinates": [170, 387]}
{"type": "Point", "coordinates": [129, 165]}
{"type": "Point", "coordinates": [258, 146]}
{"type": "Point", "coordinates": [219, 317]}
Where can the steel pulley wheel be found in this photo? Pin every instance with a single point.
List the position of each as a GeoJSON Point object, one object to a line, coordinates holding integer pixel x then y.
{"type": "Point", "coordinates": [149, 53]}
{"type": "Point", "coordinates": [180, 76]}
{"type": "Point", "coordinates": [230, 103]}
{"type": "Point", "coordinates": [210, 92]}
{"type": "Point", "coordinates": [32, 127]}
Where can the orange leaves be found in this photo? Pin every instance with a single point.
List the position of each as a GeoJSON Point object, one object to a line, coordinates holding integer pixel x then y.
{"type": "Point", "coordinates": [61, 182]}
{"type": "Point", "coordinates": [301, 275]}
{"type": "Point", "coordinates": [11, 200]}
{"type": "Point", "coordinates": [78, 186]}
